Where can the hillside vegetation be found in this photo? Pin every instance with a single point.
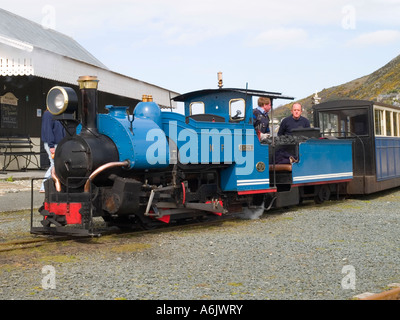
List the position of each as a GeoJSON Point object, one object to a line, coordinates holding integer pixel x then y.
{"type": "Point", "coordinates": [382, 85]}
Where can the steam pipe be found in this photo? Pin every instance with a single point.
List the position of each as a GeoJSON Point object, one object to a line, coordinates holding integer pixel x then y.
{"type": "Point", "coordinates": [101, 169]}
{"type": "Point", "coordinates": [55, 179]}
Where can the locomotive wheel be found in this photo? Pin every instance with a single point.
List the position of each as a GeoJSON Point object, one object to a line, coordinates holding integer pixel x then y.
{"type": "Point", "coordinates": [323, 194]}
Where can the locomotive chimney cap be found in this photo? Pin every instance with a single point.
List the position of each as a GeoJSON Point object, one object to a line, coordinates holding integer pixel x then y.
{"type": "Point", "coordinates": [88, 82]}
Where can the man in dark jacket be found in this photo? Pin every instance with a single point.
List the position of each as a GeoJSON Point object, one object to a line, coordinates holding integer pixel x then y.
{"type": "Point", "coordinates": [52, 133]}
{"type": "Point", "coordinates": [296, 120]}
{"type": "Point", "coordinates": [260, 116]}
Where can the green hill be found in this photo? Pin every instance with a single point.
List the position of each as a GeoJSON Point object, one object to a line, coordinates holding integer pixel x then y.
{"type": "Point", "coordinates": [382, 85]}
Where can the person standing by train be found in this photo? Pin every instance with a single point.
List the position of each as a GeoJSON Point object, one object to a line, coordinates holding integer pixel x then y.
{"type": "Point", "coordinates": [51, 134]}
{"type": "Point", "coordinates": [260, 116]}
{"type": "Point", "coordinates": [296, 120]}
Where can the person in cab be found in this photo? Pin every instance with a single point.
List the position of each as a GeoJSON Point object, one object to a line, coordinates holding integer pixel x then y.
{"type": "Point", "coordinates": [261, 118]}
{"type": "Point", "coordinates": [296, 120]}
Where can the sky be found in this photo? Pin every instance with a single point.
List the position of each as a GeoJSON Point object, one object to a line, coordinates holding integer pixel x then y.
{"type": "Point", "coordinates": [296, 47]}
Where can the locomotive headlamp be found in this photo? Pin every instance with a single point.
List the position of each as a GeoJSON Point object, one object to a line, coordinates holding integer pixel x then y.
{"type": "Point", "coordinates": [62, 100]}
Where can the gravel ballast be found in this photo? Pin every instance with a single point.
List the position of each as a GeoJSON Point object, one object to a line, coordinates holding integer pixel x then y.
{"type": "Point", "coordinates": [331, 251]}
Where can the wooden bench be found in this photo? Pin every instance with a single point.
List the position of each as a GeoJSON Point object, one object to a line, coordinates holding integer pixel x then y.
{"type": "Point", "coordinates": [15, 147]}
{"type": "Point", "coordinates": [281, 167]}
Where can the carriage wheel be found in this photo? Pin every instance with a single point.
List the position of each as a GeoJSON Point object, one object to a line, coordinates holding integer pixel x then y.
{"type": "Point", "coordinates": [323, 194]}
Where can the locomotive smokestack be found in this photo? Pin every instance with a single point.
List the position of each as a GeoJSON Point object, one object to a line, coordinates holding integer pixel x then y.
{"type": "Point", "coordinates": [88, 86]}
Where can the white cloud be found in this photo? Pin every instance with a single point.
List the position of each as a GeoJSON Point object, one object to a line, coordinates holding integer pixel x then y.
{"type": "Point", "coordinates": [121, 33]}
{"type": "Point", "coordinates": [381, 37]}
{"type": "Point", "coordinates": [279, 38]}
{"type": "Point", "coordinates": [195, 20]}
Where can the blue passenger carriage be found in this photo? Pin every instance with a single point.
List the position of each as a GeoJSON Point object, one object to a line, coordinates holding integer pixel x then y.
{"type": "Point", "coordinates": [374, 128]}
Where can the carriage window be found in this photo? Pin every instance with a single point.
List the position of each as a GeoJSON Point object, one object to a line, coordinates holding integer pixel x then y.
{"type": "Point", "coordinates": [396, 124]}
{"type": "Point", "coordinates": [343, 123]}
{"type": "Point", "coordinates": [197, 108]}
{"type": "Point", "coordinates": [237, 109]}
{"type": "Point", "coordinates": [358, 120]}
{"type": "Point", "coordinates": [387, 122]}
{"type": "Point", "coordinates": [329, 123]}
{"type": "Point", "coordinates": [379, 124]}
{"type": "Point", "coordinates": [388, 118]}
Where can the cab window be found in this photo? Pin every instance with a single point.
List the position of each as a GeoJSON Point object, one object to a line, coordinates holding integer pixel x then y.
{"type": "Point", "coordinates": [237, 108]}
{"type": "Point", "coordinates": [197, 108]}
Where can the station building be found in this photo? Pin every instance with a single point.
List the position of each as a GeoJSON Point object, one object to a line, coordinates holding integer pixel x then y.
{"type": "Point", "coordinates": [34, 59]}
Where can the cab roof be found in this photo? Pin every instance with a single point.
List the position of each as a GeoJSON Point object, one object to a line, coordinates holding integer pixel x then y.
{"type": "Point", "coordinates": [250, 92]}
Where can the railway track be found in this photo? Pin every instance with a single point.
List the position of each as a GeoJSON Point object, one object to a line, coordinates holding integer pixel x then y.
{"type": "Point", "coordinates": [21, 244]}
{"type": "Point", "coordinates": [29, 243]}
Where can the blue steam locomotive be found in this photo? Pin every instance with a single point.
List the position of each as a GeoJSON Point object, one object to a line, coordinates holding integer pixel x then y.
{"type": "Point", "coordinates": [153, 167]}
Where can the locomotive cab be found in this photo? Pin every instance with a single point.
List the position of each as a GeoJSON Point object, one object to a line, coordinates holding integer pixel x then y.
{"type": "Point", "coordinates": [229, 105]}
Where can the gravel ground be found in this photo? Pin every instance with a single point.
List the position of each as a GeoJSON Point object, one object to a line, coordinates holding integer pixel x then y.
{"type": "Point", "coordinates": [331, 251]}
{"type": "Point", "coordinates": [15, 186]}
{"type": "Point", "coordinates": [17, 194]}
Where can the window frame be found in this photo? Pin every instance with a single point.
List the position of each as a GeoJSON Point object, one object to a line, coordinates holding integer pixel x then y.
{"type": "Point", "coordinates": [191, 108]}
{"type": "Point", "coordinates": [242, 116]}
{"type": "Point", "coordinates": [384, 117]}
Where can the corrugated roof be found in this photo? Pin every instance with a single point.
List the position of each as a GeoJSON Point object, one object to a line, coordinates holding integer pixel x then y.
{"type": "Point", "coordinates": [18, 28]}
{"type": "Point", "coordinates": [28, 49]}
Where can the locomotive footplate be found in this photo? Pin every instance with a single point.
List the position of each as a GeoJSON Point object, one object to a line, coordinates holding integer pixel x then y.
{"type": "Point", "coordinates": [63, 231]}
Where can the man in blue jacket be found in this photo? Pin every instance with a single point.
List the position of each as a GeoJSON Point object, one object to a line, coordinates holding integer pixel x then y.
{"type": "Point", "coordinates": [260, 116]}
{"type": "Point", "coordinates": [296, 120]}
{"type": "Point", "coordinates": [52, 133]}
